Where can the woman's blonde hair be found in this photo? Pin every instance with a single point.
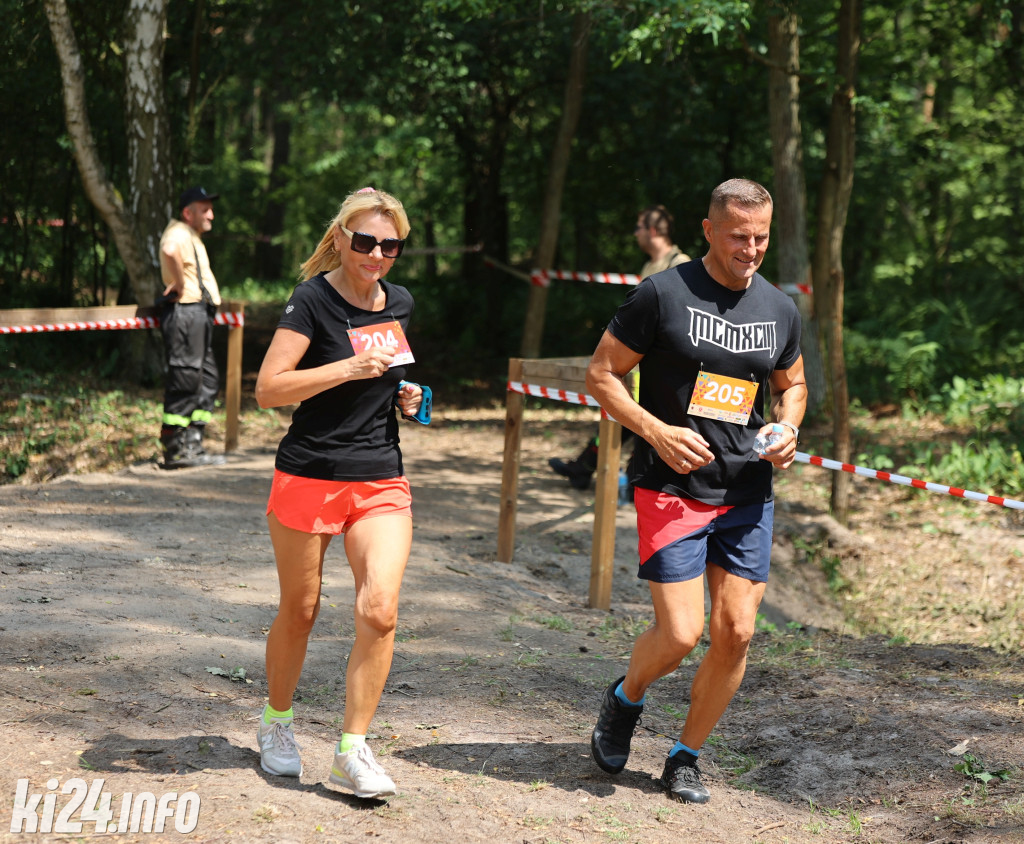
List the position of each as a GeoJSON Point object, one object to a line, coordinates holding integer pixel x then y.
{"type": "Point", "coordinates": [325, 258]}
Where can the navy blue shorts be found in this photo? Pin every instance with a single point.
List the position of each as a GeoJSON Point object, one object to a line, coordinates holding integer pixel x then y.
{"type": "Point", "coordinates": [680, 536]}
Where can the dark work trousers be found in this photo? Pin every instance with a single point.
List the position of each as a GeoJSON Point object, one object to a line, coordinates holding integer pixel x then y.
{"type": "Point", "coordinates": [192, 377]}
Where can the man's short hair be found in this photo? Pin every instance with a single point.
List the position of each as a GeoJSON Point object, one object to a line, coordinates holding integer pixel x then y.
{"type": "Point", "coordinates": [742, 192]}
{"type": "Point", "coordinates": [658, 218]}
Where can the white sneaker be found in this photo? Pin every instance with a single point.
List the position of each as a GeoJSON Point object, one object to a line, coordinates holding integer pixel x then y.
{"type": "Point", "coordinates": [359, 771]}
{"type": "Point", "coordinates": [279, 752]}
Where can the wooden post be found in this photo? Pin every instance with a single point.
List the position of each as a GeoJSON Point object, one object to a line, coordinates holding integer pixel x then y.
{"type": "Point", "coordinates": [514, 403]}
{"type": "Point", "coordinates": [602, 551]}
{"type": "Point", "coordinates": [233, 377]}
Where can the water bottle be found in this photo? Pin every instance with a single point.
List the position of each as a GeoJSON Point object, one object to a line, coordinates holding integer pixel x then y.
{"type": "Point", "coordinates": [624, 496]}
{"type": "Point", "coordinates": [762, 443]}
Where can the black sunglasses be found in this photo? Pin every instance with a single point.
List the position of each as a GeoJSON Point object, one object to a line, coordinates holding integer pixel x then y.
{"type": "Point", "coordinates": [390, 247]}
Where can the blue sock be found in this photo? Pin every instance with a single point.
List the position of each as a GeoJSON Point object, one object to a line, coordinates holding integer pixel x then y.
{"type": "Point", "coordinates": [682, 748]}
{"type": "Point", "coordinates": [621, 695]}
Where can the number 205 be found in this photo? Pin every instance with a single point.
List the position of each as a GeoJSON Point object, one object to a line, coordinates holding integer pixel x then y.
{"type": "Point", "coordinates": [726, 394]}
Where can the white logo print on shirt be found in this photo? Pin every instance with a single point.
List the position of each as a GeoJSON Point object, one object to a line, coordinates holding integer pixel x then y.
{"type": "Point", "coordinates": [748, 337]}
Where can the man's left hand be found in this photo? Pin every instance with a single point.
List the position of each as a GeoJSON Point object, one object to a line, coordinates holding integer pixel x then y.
{"type": "Point", "coordinates": [783, 453]}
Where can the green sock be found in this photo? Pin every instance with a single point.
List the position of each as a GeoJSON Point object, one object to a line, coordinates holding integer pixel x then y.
{"type": "Point", "coordinates": [270, 715]}
{"type": "Point", "coordinates": [350, 741]}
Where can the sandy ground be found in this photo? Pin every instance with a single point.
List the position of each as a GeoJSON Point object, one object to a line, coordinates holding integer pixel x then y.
{"type": "Point", "coordinates": [135, 606]}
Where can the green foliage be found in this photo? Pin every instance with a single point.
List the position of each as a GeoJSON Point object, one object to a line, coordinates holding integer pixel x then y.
{"type": "Point", "coordinates": [665, 28]}
{"type": "Point", "coordinates": [453, 104]}
{"type": "Point", "coordinates": [47, 422]}
{"type": "Point", "coordinates": [973, 767]}
{"type": "Point", "coordinates": [989, 466]}
{"type": "Point", "coordinates": [989, 458]}
{"type": "Point", "coordinates": [888, 369]}
{"type": "Point", "coordinates": [993, 404]}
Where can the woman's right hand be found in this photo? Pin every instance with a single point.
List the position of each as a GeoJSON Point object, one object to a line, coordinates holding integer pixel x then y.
{"type": "Point", "coordinates": [372, 363]}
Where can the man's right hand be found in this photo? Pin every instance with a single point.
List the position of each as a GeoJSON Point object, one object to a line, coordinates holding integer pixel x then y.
{"type": "Point", "coordinates": [682, 449]}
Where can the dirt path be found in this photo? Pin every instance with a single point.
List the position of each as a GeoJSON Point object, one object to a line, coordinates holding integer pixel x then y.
{"type": "Point", "coordinates": [113, 616]}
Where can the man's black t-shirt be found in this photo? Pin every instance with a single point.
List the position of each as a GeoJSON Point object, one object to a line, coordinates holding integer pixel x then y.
{"type": "Point", "coordinates": [349, 432]}
{"type": "Point", "coordinates": [682, 321]}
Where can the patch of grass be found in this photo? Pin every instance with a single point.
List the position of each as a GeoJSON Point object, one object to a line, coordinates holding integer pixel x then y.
{"type": "Point", "coordinates": [528, 660]}
{"type": "Point", "coordinates": [663, 814]}
{"type": "Point", "coordinates": [55, 423]}
{"type": "Point", "coordinates": [612, 625]}
{"type": "Point", "coordinates": [962, 812]}
{"type": "Point", "coordinates": [673, 711]}
{"type": "Point", "coordinates": [554, 622]}
{"type": "Point", "coordinates": [830, 564]}
{"type": "Point", "coordinates": [611, 825]}
{"type": "Point", "coordinates": [266, 814]}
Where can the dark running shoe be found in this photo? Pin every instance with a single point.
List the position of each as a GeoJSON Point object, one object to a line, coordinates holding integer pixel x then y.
{"type": "Point", "coordinates": [580, 470]}
{"type": "Point", "coordinates": [616, 722]}
{"type": "Point", "coordinates": [579, 476]}
{"type": "Point", "coordinates": [682, 779]}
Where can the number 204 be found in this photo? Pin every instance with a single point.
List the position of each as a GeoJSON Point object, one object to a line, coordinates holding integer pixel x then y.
{"type": "Point", "coordinates": [378, 339]}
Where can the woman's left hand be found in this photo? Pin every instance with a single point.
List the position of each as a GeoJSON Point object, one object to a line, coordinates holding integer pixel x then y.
{"type": "Point", "coordinates": [410, 397]}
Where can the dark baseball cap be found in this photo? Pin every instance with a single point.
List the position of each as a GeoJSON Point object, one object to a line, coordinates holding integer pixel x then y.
{"type": "Point", "coordinates": [195, 194]}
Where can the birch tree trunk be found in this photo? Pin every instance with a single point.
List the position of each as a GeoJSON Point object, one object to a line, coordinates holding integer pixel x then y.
{"type": "Point", "coordinates": [149, 161]}
{"type": "Point", "coordinates": [536, 307]}
{"type": "Point", "coordinates": [833, 204]}
{"type": "Point", "coordinates": [138, 262]}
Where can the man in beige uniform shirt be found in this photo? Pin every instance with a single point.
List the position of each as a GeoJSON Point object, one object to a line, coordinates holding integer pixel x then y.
{"type": "Point", "coordinates": [653, 235]}
{"type": "Point", "coordinates": [189, 302]}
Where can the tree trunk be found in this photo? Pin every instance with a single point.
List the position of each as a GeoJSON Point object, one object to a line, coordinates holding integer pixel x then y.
{"type": "Point", "coordinates": [269, 251]}
{"type": "Point", "coordinates": [536, 306]}
{"type": "Point", "coordinates": [789, 188]}
{"type": "Point", "coordinates": [149, 161]}
{"type": "Point", "coordinates": [833, 204]}
{"type": "Point", "coordinates": [101, 192]}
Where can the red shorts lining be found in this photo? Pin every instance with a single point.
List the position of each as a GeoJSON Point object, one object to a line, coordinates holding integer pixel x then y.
{"type": "Point", "coordinates": [332, 507]}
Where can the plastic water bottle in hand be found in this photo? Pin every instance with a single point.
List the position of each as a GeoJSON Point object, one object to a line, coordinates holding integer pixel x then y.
{"type": "Point", "coordinates": [762, 443]}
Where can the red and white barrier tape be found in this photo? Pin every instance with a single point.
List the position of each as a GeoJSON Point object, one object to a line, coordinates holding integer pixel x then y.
{"type": "Point", "coordinates": [552, 393]}
{"type": "Point", "coordinates": [801, 457]}
{"type": "Point", "coordinates": [231, 319]}
{"type": "Point", "coordinates": [824, 463]}
{"type": "Point", "coordinates": [558, 395]}
{"type": "Point", "coordinates": [542, 278]}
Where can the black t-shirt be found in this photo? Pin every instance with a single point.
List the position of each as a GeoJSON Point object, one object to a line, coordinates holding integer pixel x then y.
{"type": "Point", "coordinates": [682, 321]}
{"type": "Point", "coordinates": [349, 432]}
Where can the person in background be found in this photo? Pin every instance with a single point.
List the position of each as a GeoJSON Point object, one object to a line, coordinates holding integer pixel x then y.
{"type": "Point", "coordinates": [188, 306]}
{"type": "Point", "coordinates": [712, 338]}
{"type": "Point", "coordinates": [339, 471]}
{"type": "Point", "coordinates": [654, 236]}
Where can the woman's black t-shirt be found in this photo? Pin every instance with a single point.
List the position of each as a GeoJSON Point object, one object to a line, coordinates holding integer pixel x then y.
{"type": "Point", "coordinates": [349, 432]}
{"type": "Point", "coordinates": [684, 322]}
